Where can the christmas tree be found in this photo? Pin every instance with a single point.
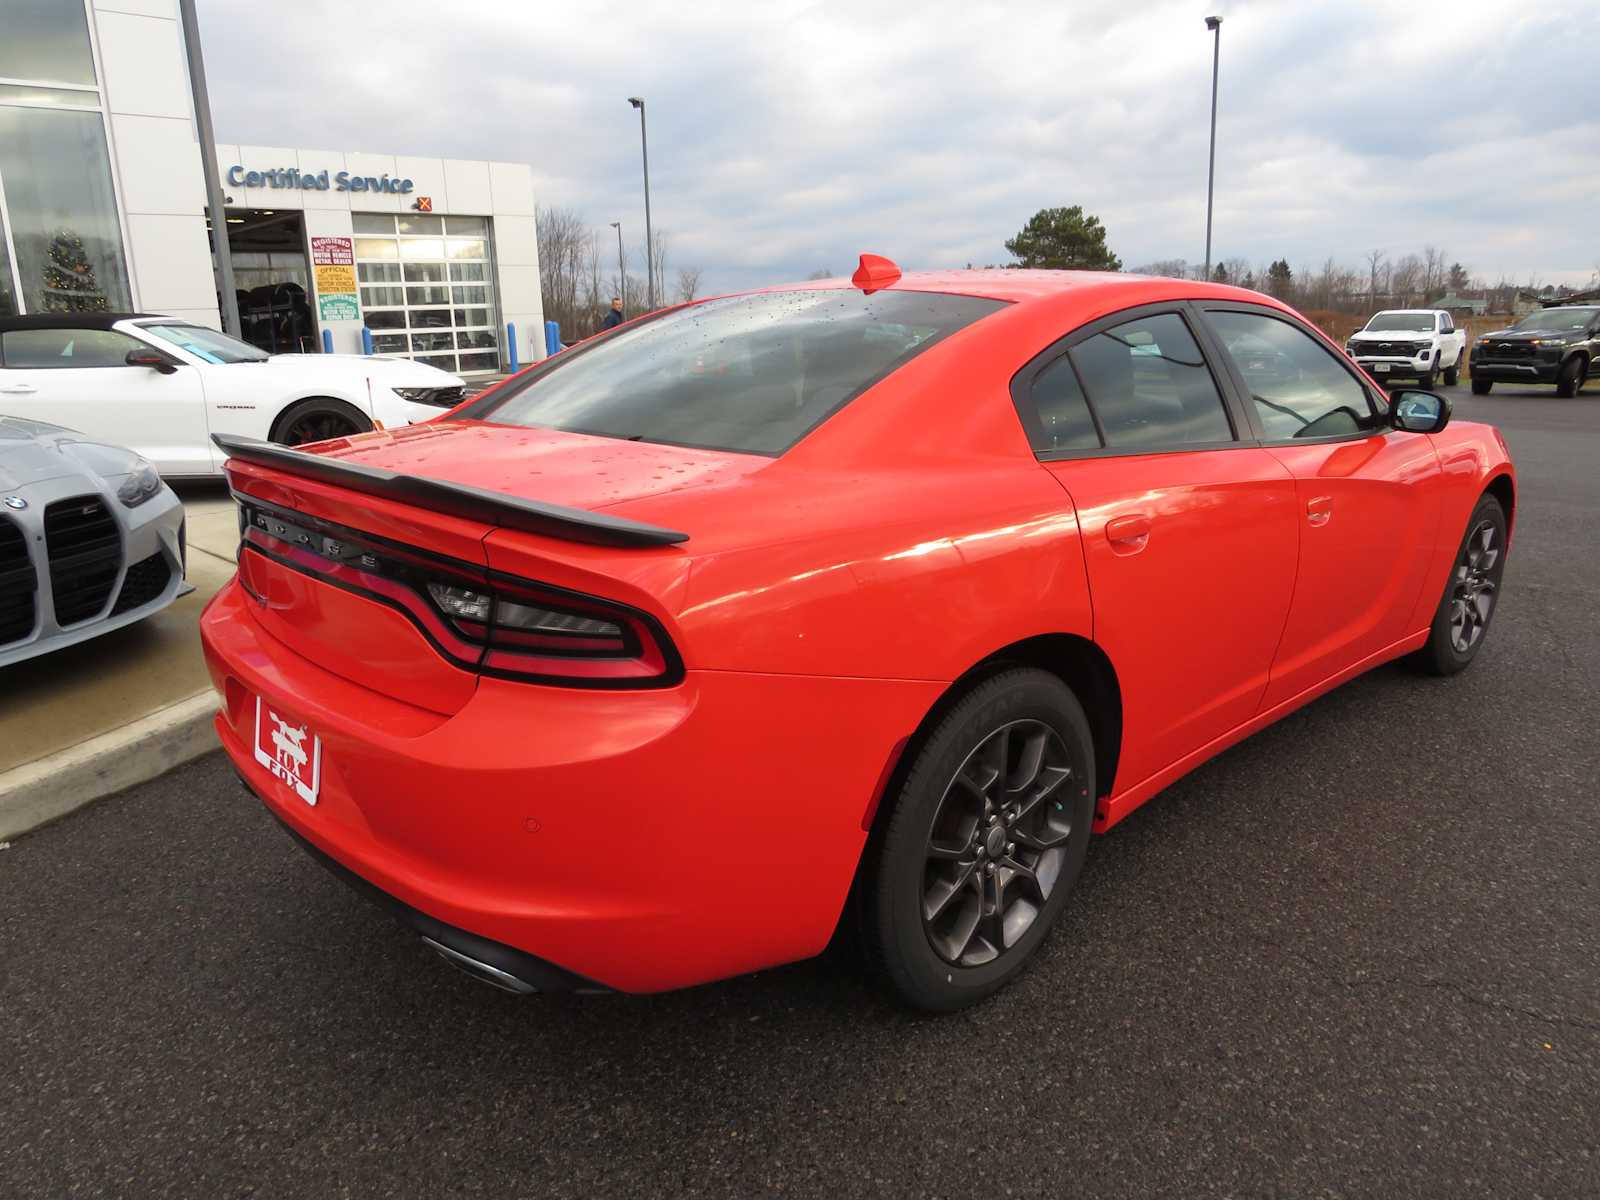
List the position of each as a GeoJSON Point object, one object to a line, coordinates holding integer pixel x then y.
{"type": "Point", "coordinates": [69, 283]}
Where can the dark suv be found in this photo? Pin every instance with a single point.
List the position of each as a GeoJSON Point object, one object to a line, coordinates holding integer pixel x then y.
{"type": "Point", "coordinates": [1555, 345]}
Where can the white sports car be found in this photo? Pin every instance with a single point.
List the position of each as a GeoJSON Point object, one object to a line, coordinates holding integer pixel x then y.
{"type": "Point", "coordinates": [90, 539]}
{"type": "Point", "coordinates": [163, 386]}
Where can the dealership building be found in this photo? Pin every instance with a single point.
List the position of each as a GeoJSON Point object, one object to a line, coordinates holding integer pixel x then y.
{"type": "Point", "coordinates": [103, 208]}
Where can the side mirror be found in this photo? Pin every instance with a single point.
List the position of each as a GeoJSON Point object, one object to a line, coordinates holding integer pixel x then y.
{"type": "Point", "coordinates": [151, 358]}
{"type": "Point", "coordinates": [1419, 412]}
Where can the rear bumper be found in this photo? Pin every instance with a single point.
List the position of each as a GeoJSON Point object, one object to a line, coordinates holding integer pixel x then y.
{"type": "Point", "coordinates": [636, 841]}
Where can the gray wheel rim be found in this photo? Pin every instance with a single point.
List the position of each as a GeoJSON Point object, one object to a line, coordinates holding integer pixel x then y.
{"type": "Point", "coordinates": [1475, 588]}
{"type": "Point", "coordinates": [997, 844]}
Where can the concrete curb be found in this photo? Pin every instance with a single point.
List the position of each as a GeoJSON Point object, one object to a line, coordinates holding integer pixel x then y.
{"type": "Point", "coordinates": [50, 787]}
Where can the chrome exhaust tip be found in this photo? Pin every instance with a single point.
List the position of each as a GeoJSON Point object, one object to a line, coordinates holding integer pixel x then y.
{"type": "Point", "coordinates": [481, 971]}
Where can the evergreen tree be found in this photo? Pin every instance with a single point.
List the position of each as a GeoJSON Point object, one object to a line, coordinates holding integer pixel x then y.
{"type": "Point", "coordinates": [1220, 275]}
{"type": "Point", "coordinates": [1249, 280]}
{"type": "Point", "coordinates": [1280, 279]}
{"type": "Point", "coordinates": [69, 282]}
{"type": "Point", "coordinates": [1064, 239]}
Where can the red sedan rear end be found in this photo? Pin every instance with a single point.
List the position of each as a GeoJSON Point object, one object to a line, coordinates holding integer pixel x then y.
{"type": "Point", "coordinates": [627, 675]}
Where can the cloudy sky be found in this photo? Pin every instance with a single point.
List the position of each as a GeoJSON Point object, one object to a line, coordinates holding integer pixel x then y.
{"type": "Point", "coordinates": [788, 136]}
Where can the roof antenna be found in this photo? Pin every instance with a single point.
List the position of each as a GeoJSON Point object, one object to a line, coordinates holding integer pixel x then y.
{"type": "Point", "coordinates": [875, 272]}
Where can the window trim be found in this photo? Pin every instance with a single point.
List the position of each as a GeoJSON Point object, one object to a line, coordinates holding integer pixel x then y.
{"type": "Point", "coordinates": [138, 342]}
{"type": "Point", "coordinates": [1377, 404]}
{"type": "Point", "coordinates": [1244, 434]}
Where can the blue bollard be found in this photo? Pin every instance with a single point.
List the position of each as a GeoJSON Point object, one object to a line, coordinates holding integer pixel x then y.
{"type": "Point", "coordinates": [511, 345]}
{"type": "Point", "coordinates": [327, 341]}
{"type": "Point", "coordinates": [552, 337]}
{"type": "Point", "coordinates": [366, 340]}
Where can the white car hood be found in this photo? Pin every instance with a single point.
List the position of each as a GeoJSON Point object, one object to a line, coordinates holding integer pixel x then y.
{"type": "Point", "coordinates": [359, 366]}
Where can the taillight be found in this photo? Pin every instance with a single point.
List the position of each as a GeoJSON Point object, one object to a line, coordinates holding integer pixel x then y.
{"type": "Point", "coordinates": [484, 620]}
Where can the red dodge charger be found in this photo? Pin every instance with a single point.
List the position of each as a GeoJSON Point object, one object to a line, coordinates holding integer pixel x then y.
{"type": "Point", "coordinates": [866, 601]}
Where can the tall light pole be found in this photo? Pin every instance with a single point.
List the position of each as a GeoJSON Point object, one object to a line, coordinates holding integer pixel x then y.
{"type": "Point", "coordinates": [215, 205]}
{"type": "Point", "coordinates": [622, 269]}
{"type": "Point", "coordinates": [649, 239]}
{"type": "Point", "coordinates": [1215, 25]}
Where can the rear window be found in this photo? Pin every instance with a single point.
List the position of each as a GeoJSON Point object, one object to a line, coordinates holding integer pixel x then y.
{"type": "Point", "coordinates": [750, 373]}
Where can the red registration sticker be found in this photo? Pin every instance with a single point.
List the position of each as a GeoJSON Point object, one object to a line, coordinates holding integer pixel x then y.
{"type": "Point", "coordinates": [285, 748]}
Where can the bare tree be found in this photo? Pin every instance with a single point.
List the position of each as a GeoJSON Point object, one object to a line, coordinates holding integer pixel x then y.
{"type": "Point", "coordinates": [658, 262]}
{"type": "Point", "coordinates": [688, 283]}
{"type": "Point", "coordinates": [1165, 268]}
{"type": "Point", "coordinates": [824, 273]}
{"type": "Point", "coordinates": [564, 243]}
{"type": "Point", "coordinates": [1236, 268]}
{"type": "Point", "coordinates": [1406, 279]}
{"type": "Point", "coordinates": [1377, 273]}
{"type": "Point", "coordinates": [1433, 272]}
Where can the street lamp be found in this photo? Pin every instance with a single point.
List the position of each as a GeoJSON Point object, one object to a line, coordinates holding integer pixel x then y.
{"type": "Point", "coordinates": [622, 269]}
{"type": "Point", "coordinates": [1215, 25]}
{"type": "Point", "coordinates": [649, 239]}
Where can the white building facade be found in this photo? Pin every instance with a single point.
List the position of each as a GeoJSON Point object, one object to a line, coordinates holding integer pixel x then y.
{"type": "Point", "coordinates": [103, 207]}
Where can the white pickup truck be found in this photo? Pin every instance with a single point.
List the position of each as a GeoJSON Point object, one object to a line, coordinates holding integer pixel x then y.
{"type": "Point", "coordinates": [1410, 343]}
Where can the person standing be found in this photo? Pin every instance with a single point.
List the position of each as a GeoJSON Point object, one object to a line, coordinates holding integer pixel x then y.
{"type": "Point", "coordinates": [614, 317]}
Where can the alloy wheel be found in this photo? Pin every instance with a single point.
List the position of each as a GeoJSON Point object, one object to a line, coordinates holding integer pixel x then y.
{"type": "Point", "coordinates": [318, 426]}
{"type": "Point", "coordinates": [997, 844]}
{"type": "Point", "coordinates": [1477, 583]}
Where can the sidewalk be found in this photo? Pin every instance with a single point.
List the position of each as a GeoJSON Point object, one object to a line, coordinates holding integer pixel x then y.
{"type": "Point", "coordinates": [83, 722]}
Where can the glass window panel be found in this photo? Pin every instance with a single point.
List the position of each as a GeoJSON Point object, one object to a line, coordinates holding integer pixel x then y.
{"type": "Point", "coordinates": [480, 362]}
{"type": "Point", "coordinates": [66, 348]}
{"type": "Point", "coordinates": [414, 223]}
{"type": "Point", "coordinates": [372, 272]}
{"type": "Point", "coordinates": [8, 298]}
{"type": "Point", "coordinates": [1299, 388]}
{"type": "Point", "coordinates": [391, 319]}
{"type": "Point", "coordinates": [422, 249]}
{"type": "Point", "coordinates": [468, 272]}
{"type": "Point", "coordinates": [427, 295]}
{"type": "Point", "coordinates": [373, 223]}
{"type": "Point", "coordinates": [39, 95]}
{"type": "Point", "coordinates": [467, 248]}
{"type": "Point", "coordinates": [383, 295]}
{"type": "Point", "coordinates": [479, 339]}
{"type": "Point", "coordinates": [471, 295]}
{"type": "Point", "coordinates": [445, 362]}
{"type": "Point", "coordinates": [472, 316]}
{"type": "Point", "coordinates": [421, 342]}
{"type": "Point", "coordinates": [45, 39]}
{"type": "Point", "coordinates": [424, 272]}
{"type": "Point", "coordinates": [374, 248]}
{"type": "Point", "coordinates": [430, 318]}
{"type": "Point", "coordinates": [1150, 386]}
{"type": "Point", "coordinates": [63, 213]}
{"type": "Point", "coordinates": [389, 343]}
{"type": "Point", "coordinates": [470, 226]}
{"type": "Point", "coordinates": [1061, 412]}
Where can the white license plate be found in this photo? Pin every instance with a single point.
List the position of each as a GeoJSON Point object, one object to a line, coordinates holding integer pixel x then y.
{"type": "Point", "coordinates": [287, 749]}
{"type": "Point", "coordinates": [1379, 368]}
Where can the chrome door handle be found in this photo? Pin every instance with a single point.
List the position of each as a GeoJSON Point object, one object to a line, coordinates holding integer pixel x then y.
{"type": "Point", "coordinates": [18, 389]}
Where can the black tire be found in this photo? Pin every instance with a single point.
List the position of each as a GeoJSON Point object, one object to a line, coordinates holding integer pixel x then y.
{"type": "Point", "coordinates": [1452, 373]}
{"type": "Point", "coordinates": [927, 871]}
{"type": "Point", "coordinates": [1571, 377]}
{"type": "Point", "coordinates": [1471, 594]}
{"type": "Point", "coordinates": [1427, 382]}
{"type": "Point", "coordinates": [317, 419]}
{"type": "Point", "coordinates": [1480, 387]}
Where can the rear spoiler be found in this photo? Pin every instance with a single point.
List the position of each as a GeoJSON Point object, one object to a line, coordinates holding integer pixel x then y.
{"type": "Point", "coordinates": [456, 499]}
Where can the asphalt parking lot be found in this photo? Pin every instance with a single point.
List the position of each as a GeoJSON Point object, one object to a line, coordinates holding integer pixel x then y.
{"type": "Point", "coordinates": [1358, 955]}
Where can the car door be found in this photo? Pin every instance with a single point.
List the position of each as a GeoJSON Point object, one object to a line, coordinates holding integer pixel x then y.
{"type": "Point", "coordinates": [1189, 529]}
{"type": "Point", "coordinates": [1366, 493]}
{"type": "Point", "coordinates": [79, 378]}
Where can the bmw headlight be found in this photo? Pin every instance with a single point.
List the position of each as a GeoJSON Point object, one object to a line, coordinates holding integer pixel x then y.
{"type": "Point", "coordinates": [142, 482]}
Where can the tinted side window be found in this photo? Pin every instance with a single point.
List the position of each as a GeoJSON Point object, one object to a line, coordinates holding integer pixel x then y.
{"type": "Point", "coordinates": [37, 348]}
{"type": "Point", "coordinates": [1150, 386]}
{"type": "Point", "coordinates": [1063, 420]}
{"type": "Point", "coordinates": [1299, 388]}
